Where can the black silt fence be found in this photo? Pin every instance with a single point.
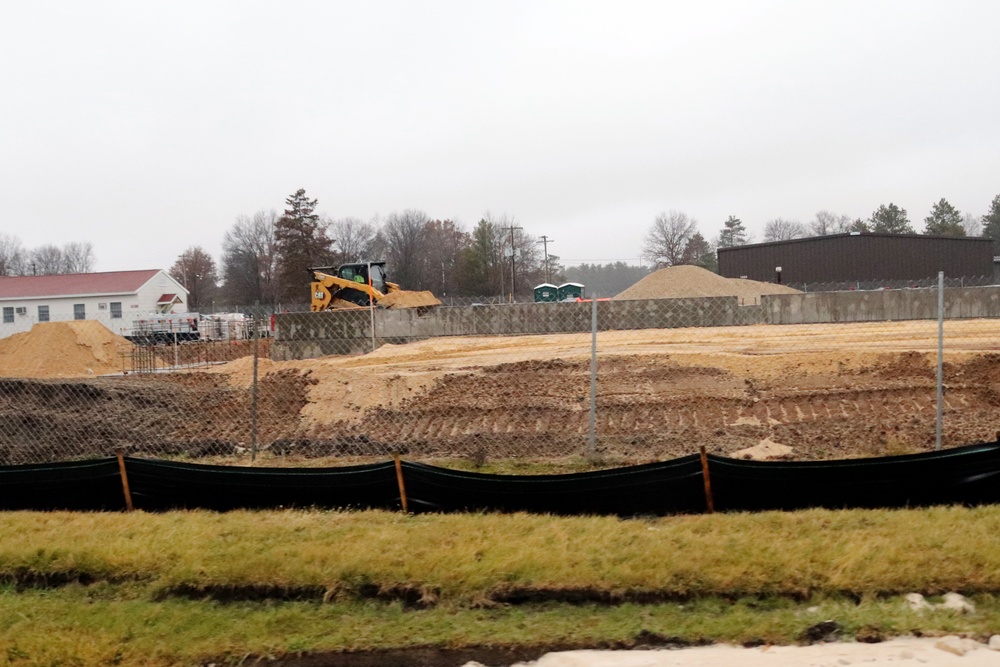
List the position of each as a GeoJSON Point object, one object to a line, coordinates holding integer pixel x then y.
{"type": "Point", "coordinates": [965, 475]}
{"type": "Point", "coordinates": [93, 485]}
{"type": "Point", "coordinates": [671, 487]}
{"type": "Point", "coordinates": [161, 485]}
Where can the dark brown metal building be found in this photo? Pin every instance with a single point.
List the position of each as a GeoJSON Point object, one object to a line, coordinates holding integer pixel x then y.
{"type": "Point", "coordinates": [859, 257]}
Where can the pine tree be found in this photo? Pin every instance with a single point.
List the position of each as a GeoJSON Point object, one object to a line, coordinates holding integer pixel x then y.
{"type": "Point", "coordinates": [699, 252]}
{"type": "Point", "coordinates": [944, 220]}
{"type": "Point", "coordinates": [891, 220]}
{"type": "Point", "coordinates": [991, 224]}
{"type": "Point", "coordinates": [302, 242]}
{"type": "Point", "coordinates": [733, 233]}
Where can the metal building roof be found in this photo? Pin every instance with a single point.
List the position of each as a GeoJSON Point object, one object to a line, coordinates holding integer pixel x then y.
{"type": "Point", "coordinates": [74, 284]}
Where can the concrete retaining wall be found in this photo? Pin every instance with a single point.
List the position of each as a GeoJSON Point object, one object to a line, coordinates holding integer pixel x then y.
{"type": "Point", "coordinates": [880, 306]}
{"type": "Point", "coordinates": [308, 335]}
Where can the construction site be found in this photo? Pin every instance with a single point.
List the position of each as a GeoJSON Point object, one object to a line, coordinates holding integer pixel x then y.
{"type": "Point", "coordinates": [787, 391]}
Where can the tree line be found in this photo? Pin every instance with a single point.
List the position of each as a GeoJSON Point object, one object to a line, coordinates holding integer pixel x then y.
{"type": "Point", "coordinates": [266, 256]}
{"type": "Point", "coordinates": [17, 260]}
{"type": "Point", "coordinates": [674, 239]}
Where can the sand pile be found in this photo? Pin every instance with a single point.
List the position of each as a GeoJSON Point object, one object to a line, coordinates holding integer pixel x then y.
{"type": "Point", "coordinates": [337, 391]}
{"type": "Point", "coordinates": [62, 350]}
{"type": "Point", "coordinates": [676, 282]}
{"type": "Point", "coordinates": [408, 299]}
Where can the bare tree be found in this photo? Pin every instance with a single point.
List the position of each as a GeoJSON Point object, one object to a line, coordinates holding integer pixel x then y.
{"type": "Point", "coordinates": [46, 260]}
{"type": "Point", "coordinates": [528, 262]}
{"type": "Point", "coordinates": [668, 237]}
{"type": "Point", "coordinates": [780, 229]}
{"type": "Point", "coordinates": [12, 256]}
{"type": "Point", "coordinates": [403, 234]}
{"type": "Point", "coordinates": [445, 241]}
{"type": "Point", "coordinates": [195, 269]}
{"type": "Point", "coordinates": [827, 223]}
{"type": "Point", "coordinates": [249, 259]}
{"type": "Point", "coordinates": [78, 257]}
{"type": "Point", "coordinates": [973, 224]}
{"type": "Point", "coordinates": [354, 239]}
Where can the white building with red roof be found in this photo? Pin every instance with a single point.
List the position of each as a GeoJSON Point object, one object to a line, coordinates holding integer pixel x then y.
{"type": "Point", "coordinates": [115, 298]}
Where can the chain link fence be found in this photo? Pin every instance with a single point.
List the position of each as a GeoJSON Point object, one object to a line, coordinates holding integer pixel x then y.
{"type": "Point", "coordinates": [814, 375]}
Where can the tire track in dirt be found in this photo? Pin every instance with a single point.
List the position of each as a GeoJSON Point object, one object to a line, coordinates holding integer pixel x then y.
{"type": "Point", "coordinates": [651, 408]}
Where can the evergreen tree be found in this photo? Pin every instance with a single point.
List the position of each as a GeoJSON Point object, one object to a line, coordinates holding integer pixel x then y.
{"type": "Point", "coordinates": [699, 252]}
{"type": "Point", "coordinates": [733, 233]}
{"type": "Point", "coordinates": [991, 224]}
{"type": "Point", "coordinates": [859, 225]}
{"type": "Point", "coordinates": [891, 220]}
{"type": "Point", "coordinates": [944, 220]}
{"type": "Point", "coordinates": [481, 264]}
{"type": "Point", "coordinates": [302, 242]}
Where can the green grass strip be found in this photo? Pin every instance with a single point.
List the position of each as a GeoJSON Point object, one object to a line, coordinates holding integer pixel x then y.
{"type": "Point", "coordinates": [90, 626]}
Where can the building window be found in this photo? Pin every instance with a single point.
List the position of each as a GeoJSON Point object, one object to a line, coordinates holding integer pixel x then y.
{"type": "Point", "coordinates": [43, 313]}
{"type": "Point", "coordinates": [116, 310]}
{"type": "Point", "coordinates": [79, 311]}
{"type": "Point", "coordinates": [8, 314]}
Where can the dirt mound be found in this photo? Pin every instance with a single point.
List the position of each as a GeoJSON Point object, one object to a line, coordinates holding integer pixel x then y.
{"type": "Point", "coordinates": [407, 299]}
{"type": "Point", "coordinates": [750, 291]}
{"type": "Point", "coordinates": [335, 390]}
{"type": "Point", "coordinates": [676, 282]}
{"type": "Point", "coordinates": [63, 350]}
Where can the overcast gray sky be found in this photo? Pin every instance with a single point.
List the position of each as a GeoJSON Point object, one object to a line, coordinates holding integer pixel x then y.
{"type": "Point", "coordinates": [146, 128]}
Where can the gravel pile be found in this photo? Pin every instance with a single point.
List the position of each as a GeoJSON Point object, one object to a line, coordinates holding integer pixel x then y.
{"type": "Point", "coordinates": [678, 282]}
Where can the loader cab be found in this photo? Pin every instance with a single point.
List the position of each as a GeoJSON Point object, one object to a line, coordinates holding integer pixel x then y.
{"type": "Point", "coordinates": [359, 273]}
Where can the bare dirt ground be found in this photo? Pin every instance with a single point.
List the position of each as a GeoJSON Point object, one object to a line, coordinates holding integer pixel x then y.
{"type": "Point", "coordinates": [827, 391]}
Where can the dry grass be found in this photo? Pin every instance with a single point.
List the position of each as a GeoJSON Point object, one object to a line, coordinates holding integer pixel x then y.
{"type": "Point", "coordinates": [476, 558]}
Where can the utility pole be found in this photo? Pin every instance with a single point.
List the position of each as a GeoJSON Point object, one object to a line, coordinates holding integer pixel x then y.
{"type": "Point", "coordinates": [545, 250]}
{"type": "Point", "coordinates": [513, 258]}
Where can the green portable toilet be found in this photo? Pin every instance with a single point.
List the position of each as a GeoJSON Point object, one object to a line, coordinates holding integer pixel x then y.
{"type": "Point", "coordinates": [546, 293]}
{"type": "Point", "coordinates": [570, 291]}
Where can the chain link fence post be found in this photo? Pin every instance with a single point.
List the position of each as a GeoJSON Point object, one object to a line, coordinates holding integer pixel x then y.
{"type": "Point", "coordinates": [940, 362]}
{"type": "Point", "coordinates": [254, 318]}
{"type": "Point", "coordinates": [592, 433]}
